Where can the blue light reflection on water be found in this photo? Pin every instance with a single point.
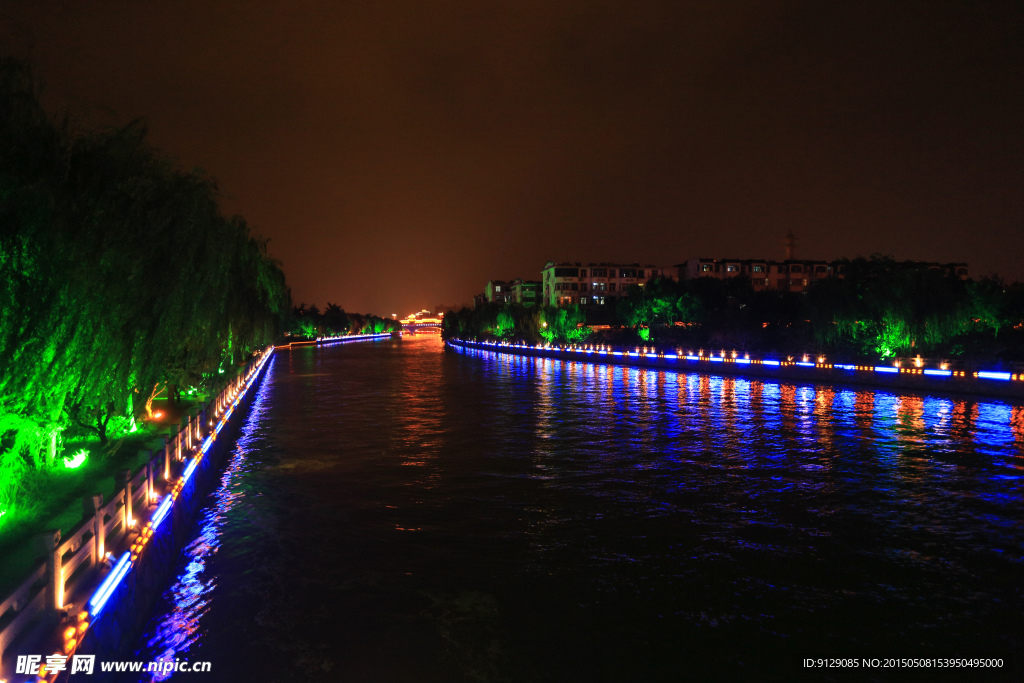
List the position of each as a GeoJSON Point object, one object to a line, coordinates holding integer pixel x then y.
{"type": "Point", "coordinates": [177, 629]}
{"type": "Point", "coordinates": [474, 507]}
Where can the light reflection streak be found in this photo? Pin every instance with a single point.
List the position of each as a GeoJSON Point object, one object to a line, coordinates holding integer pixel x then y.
{"type": "Point", "coordinates": [719, 422]}
{"type": "Point", "coordinates": [190, 596]}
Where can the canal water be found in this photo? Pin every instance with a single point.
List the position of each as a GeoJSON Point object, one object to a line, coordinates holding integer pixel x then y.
{"type": "Point", "coordinates": [397, 512]}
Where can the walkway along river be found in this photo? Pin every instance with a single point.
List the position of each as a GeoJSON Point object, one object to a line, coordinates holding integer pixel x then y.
{"type": "Point", "coordinates": [397, 512]}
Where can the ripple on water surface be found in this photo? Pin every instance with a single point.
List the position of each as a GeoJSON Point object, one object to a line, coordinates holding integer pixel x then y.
{"type": "Point", "coordinates": [397, 512]}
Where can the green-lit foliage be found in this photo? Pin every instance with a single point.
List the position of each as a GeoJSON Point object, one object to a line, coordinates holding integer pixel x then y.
{"type": "Point", "coordinates": [884, 308]}
{"type": "Point", "coordinates": [565, 325]}
{"type": "Point", "coordinates": [311, 323]}
{"type": "Point", "coordinates": [118, 276]}
{"type": "Point", "coordinates": [76, 460]}
{"type": "Point", "coordinates": [662, 301]}
{"type": "Point", "coordinates": [514, 321]}
{"type": "Point", "coordinates": [504, 324]}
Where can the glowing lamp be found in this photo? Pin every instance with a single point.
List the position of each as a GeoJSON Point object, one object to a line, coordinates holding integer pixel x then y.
{"type": "Point", "coordinates": [74, 461]}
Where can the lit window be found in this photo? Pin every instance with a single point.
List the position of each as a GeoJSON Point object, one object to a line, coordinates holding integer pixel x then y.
{"type": "Point", "coordinates": [758, 269]}
{"type": "Point", "coordinates": [730, 269]}
{"type": "Point", "coordinates": [497, 288]}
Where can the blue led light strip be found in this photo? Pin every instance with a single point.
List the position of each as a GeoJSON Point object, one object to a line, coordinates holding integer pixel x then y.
{"type": "Point", "coordinates": [99, 598]}
{"type": "Point", "coordinates": [885, 369]}
{"type": "Point", "coordinates": [124, 564]}
{"type": "Point", "coordinates": [161, 512]}
{"type": "Point", "coordinates": [987, 374]}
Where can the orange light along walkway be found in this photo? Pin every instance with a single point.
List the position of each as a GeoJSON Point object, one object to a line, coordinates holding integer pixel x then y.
{"type": "Point", "coordinates": [118, 524]}
{"type": "Point", "coordinates": [994, 383]}
{"type": "Point", "coordinates": [320, 341]}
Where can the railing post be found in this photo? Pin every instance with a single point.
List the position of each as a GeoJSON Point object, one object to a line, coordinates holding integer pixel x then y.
{"type": "Point", "coordinates": [167, 463]}
{"type": "Point", "coordinates": [99, 534]}
{"type": "Point", "coordinates": [149, 480]}
{"type": "Point", "coordinates": [49, 543]}
{"type": "Point", "coordinates": [127, 475]}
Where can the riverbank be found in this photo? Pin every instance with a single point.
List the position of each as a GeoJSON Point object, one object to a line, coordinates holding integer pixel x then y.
{"type": "Point", "coordinates": [117, 558]}
{"type": "Point", "coordinates": [56, 607]}
{"type": "Point", "coordinates": [465, 516]}
{"type": "Point", "coordinates": [1005, 385]}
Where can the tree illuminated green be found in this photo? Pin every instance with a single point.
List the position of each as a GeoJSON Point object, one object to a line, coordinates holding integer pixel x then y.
{"type": "Point", "coordinates": [119, 277]}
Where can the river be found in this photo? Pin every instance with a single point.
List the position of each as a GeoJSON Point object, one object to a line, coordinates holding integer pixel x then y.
{"type": "Point", "coordinates": [397, 512]}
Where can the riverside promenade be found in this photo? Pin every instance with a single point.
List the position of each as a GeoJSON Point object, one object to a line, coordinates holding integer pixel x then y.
{"type": "Point", "coordinates": [95, 585]}
{"type": "Point", "coordinates": [818, 370]}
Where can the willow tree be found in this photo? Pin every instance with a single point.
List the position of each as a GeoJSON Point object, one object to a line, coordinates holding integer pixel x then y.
{"type": "Point", "coordinates": [118, 274]}
{"type": "Point", "coordinates": [888, 308]}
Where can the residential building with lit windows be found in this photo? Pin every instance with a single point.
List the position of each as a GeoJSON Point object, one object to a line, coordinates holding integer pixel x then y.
{"type": "Point", "coordinates": [498, 291]}
{"type": "Point", "coordinates": [594, 285]}
{"type": "Point", "coordinates": [791, 275]}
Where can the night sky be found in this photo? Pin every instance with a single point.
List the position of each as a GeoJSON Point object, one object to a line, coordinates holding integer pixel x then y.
{"type": "Point", "coordinates": [400, 154]}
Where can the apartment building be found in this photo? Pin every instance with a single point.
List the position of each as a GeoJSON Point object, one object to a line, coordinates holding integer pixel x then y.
{"type": "Point", "coordinates": [792, 275]}
{"type": "Point", "coordinates": [498, 291]}
{"type": "Point", "coordinates": [526, 292]}
{"type": "Point", "coordinates": [594, 284]}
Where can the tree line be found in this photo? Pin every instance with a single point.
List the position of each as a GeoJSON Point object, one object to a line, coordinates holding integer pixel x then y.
{"type": "Point", "coordinates": [119, 276]}
{"type": "Point", "coordinates": [880, 308]}
{"type": "Point", "coordinates": [310, 322]}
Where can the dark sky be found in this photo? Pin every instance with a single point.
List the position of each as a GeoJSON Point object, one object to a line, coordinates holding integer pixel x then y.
{"type": "Point", "coordinates": [400, 154]}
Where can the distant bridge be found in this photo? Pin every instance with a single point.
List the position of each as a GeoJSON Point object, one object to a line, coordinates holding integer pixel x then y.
{"type": "Point", "coordinates": [422, 320]}
{"type": "Point", "coordinates": [421, 325]}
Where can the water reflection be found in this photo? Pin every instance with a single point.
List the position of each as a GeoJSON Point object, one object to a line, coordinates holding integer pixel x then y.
{"type": "Point", "coordinates": [457, 516]}
{"type": "Point", "coordinates": [188, 600]}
